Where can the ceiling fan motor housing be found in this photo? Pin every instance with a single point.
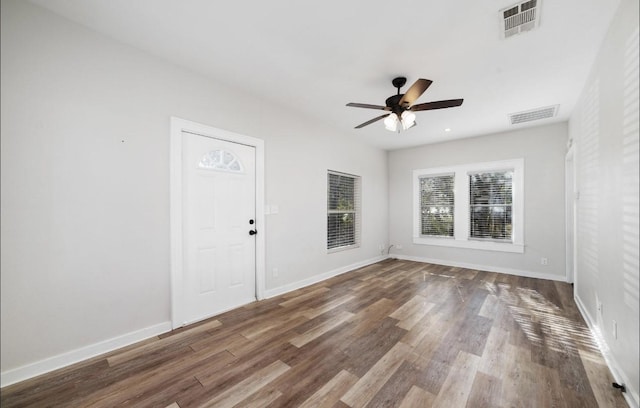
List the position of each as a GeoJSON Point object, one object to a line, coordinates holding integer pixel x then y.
{"type": "Point", "coordinates": [394, 103]}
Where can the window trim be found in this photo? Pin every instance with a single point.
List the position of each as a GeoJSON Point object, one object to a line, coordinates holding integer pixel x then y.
{"type": "Point", "coordinates": [461, 235]}
{"type": "Point", "coordinates": [357, 211]}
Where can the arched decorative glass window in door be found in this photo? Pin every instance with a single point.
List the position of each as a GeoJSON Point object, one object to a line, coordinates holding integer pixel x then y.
{"type": "Point", "coordinates": [221, 160]}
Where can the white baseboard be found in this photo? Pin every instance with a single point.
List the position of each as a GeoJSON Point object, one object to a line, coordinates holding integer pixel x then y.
{"type": "Point", "coordinates": [74, 356]}
{"type": "Point", "coordinates": [488, 268]}
{"type": "Point", "coordinates": [269, 293]}
{"type": "Point", "coordinates": [631, 396]}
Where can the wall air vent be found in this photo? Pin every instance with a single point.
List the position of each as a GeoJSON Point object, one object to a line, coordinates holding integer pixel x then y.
{"type": "Point", "coordinates": [520, 17]}
{"type": "Point", "coordinates": [534, 114]}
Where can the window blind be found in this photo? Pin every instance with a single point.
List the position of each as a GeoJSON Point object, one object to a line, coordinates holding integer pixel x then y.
{"type": "Point", "coordinates": [343, 210]}
{"type": "Point", "coordinates": [491, 199]}
{"type": "Point", "coordinates": [437, 205]}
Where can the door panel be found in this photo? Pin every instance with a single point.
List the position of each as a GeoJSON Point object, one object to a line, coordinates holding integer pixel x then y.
{"type": "Point", "coordinates": [218, 202]}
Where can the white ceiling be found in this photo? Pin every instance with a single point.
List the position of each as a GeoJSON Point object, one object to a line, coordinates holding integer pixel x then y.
{"type": "Point", "coordinates": [314, 57]}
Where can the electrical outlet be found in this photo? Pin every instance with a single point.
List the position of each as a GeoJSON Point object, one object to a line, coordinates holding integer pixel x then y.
{"type": "Point", "coordinates": [600, 307]}
{"type": "Point", "coordinates": [275, 272]}
{"type": "Point", "coordinates": [544, 261]}
{"type": "Point", "coordinates": [398, 246]}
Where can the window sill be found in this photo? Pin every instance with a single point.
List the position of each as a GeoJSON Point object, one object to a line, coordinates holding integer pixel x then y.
{"type": "Point", "coordinates": [342, 248]}
{"type": "Point", "coordinates": [481, 245]}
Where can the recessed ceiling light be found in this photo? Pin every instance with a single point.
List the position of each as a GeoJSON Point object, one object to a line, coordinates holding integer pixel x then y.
{"type": "Point", "coordinates": [447, 130]}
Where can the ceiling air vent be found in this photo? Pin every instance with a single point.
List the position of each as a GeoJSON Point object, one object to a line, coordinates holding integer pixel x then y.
{"type": "Point", "coordinates": [534, 114]}
{"type": "Point", "coordinates": [520, 17]}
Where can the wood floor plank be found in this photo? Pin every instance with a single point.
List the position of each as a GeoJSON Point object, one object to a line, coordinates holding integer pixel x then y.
{"type": "Point", "coordinates": [457, 387]}
{"type": "Point", "coordinates": [247, 387]}
{"type": "Point", "coordinates": [371, 315]}
{"type": "Point", "coordinates": [494, 359]}
{"type": "Point", "coordinates": [397, 387]}
{"type": "Point", "coordinates": [330, 393]}
{"type": "Point", "coordinates": [215, 343]}
{"type": "Point", "coordinates": [260, 328]}
{"type": "Point", "coordinates": [411, 312]}
{"type": "Point", "coordinates": [549, 387]}
{"type": "Point", "coordinates": [304, 297]}
{"type": "Point", "coordinates": [260, 399]}
{"type": "Point", "coordinates": [366, 350]}
{"type": "Point", "coordinates": [429, 329]}
{"type": "Point", "coordinates": [361, 393]}
{"type": "Point", "coordinates": [485, 392]}
{"type": "Point", "coordinates": [490, 306]}
{"type": "Point", "coordinates": [417, 397]}
{"type": "Point", "coordinates": [156, 397]}
{"type": "Point", "coordinates": [318, 331]}
{"type": "Point", "coordinates": [308, 374]}
{"type": "Point", "coordinates": [315, 312]}
{"type": "Point", "coordinates": [236, 370]}
{"type": "Point", "coordinates": [519, 382]}
{"type": "Point", "coordinates": [275, 336]}
{"type": "Point", "coordinates": [394, 333]}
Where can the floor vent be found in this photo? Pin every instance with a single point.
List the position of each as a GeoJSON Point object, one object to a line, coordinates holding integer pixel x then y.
{"type": "Point", "coordinates": [534, 114]}
{"type": "Point", "coordinates": [520, 17]}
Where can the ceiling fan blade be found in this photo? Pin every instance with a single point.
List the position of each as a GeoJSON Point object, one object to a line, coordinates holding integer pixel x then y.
{"type": "Point", "coordinates": [415, 91]}
{"type": "Point", "coordinates": [371, 121]}
{"type": "Point", "coordinates": [368, 106]}
{"type": "Point", "coordinates": [449, 103]}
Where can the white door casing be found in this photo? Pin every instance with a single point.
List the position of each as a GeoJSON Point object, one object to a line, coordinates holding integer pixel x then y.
{"type": "Point", "coordinates": [217, 185]}
{"type": "Point", "coordinates": [570, 216]}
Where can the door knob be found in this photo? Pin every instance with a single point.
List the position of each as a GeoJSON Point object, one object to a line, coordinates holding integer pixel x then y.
{"type": "Point", "coordinates": [253, 232]}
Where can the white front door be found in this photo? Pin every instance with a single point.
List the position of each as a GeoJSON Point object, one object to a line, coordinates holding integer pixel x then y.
{"type": "Point", "coordinates": [218, 205]}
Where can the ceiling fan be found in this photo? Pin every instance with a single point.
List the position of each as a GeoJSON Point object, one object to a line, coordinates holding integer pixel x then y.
{"type": "Point", "coordinates": [400, 105]}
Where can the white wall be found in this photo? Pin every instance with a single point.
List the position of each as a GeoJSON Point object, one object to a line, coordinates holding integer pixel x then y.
{"type": "Point", "coordinates": [543, 150]}
{"type": "Point", "coordinates": [604, 128]}
{"type": "Point", "coordinates": [85, 188]}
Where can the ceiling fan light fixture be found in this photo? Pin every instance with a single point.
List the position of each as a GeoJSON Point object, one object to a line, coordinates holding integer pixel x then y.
{"type": "Point", "coordinates": [391, 122]}
{"type": "Point", "coordinates": [408, 119]}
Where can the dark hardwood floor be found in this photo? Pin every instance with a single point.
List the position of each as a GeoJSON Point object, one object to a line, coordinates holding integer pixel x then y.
{"type": "Point", "coordinates": [392, 334]}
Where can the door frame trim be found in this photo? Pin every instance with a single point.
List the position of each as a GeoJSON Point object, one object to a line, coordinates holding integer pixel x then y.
{"type": "Point", "coordinates": [570, 210]}
{"type": "Point", "coordinates": [178, 126]}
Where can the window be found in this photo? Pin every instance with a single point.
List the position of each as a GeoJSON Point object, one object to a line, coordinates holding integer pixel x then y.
{"type": "Point", "coordinates": [490, 205]}
{"type": "Point", "coordinates": [220, 160]}
{"type": "Point", "coordinates": [478, 206]}
{"type": "Point", "coordinates": [343, 211]}
{"type": "Point", "coordinates": [436, 205]}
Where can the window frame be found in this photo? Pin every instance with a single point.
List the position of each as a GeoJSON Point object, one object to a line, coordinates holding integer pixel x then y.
{"type": "Point", "coordinates": [356, 211]}
{"type": "Point", "coordinates": [461, 236]}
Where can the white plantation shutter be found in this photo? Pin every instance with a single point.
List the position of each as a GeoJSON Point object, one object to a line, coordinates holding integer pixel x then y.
{"type": "Point", "coordinates": [343, 210]}
{"type": "Point", "coordinates": [490, 205]}
{"type": "Point", "coordinates": [437, 205]}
